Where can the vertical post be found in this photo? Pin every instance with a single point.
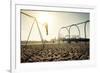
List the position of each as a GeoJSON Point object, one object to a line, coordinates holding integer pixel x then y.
{"type": "Point", "coordinates": [78, 30]}
{"type": "Point", "coordinates": [69, 35]}
{"type": "Point", "coordinates": [85, 30]}
{"type": "Point", "coordinates": [59, 36]}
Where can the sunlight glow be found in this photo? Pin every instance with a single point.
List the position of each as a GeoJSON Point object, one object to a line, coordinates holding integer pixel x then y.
{"type": "Point", "coordinates": [43, 18]}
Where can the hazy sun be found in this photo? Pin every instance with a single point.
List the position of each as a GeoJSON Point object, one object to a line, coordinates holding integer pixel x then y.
{"type": "Point", "coordinates": [43, 18]}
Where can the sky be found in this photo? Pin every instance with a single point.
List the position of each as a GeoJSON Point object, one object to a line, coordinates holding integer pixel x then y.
{"type": "Point", "coordinates": [54, 20]}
